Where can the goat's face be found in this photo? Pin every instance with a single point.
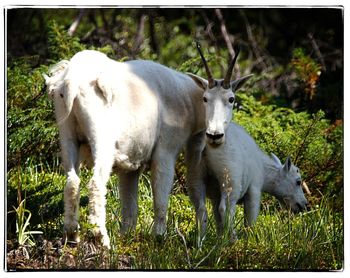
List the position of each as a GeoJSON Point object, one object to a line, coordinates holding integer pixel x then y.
{"type": "Point", "coordinates": [289, 187]}
{"type": "Point", "coordinates": [218, 99]}
{"type": "Point", "coordinates": [218, 103]}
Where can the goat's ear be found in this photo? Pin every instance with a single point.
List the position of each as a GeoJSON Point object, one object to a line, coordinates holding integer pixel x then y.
{"type": "Point", "coordinates": [276, 160]}
{"type": "Point", "coordinates": [201, 82]}
{"type": "Point", "coordinates": [46, 78]}
{"type": "Point", "coordinates": [287, 165]}
{"type": "Point", "coordinates": [236, 84]}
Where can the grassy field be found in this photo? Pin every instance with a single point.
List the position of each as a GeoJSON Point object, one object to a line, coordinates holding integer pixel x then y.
{"type": "Point", "coordinates": [279, 241]}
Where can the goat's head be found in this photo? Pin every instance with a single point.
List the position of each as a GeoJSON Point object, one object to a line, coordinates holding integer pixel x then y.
{"type": "Point", "coordinates": [289, 185]}
{"type": "Point", "coordinates": [218, 99]}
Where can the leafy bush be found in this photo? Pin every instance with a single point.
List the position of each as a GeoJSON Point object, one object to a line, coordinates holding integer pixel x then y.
{"type": "Point", "coordinates": [61, 45]}
{"type": "Point", "coordinates": [31, 133]}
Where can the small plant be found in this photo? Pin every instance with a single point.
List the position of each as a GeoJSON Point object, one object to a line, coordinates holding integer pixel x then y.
{"type": "Point", "coordinates": [23, 216]}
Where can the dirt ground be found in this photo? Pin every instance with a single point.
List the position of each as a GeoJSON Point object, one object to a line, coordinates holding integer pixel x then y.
{"type": "Point", "coordinates": [48, 255]}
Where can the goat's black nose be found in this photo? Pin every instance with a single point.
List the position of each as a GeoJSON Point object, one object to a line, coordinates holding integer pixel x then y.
{"type": "Point", "coordinates": [215, 136]}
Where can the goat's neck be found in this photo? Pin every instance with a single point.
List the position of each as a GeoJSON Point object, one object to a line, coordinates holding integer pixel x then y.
{"type": "Point", "coordinates": [199, 110]}
{"type": "Point", "coordinates": [270, 177]}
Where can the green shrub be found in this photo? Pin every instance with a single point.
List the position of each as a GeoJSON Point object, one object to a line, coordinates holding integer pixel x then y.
{"type": "Point", "coordinates": [31, 133]}
{"type": "Point", "coordinates": [61, 45]}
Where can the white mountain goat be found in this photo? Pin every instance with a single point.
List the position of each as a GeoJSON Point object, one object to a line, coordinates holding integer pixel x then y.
{"type": "Point", "coordinates": [233, 168]}
{"type": "Point", "coordinates": [123, 117]}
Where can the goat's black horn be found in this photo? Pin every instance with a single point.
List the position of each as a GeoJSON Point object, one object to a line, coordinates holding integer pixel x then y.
{"type": "Point", "coordinates": [211, 82]}
{"type": "Point", "coordinates": [226, 82]}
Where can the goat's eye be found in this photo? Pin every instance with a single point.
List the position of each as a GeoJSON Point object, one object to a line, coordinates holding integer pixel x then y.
{"type": "Point", "coordinates": [205, 99]}
{"type": "Point", "coordinates": [231, 99]}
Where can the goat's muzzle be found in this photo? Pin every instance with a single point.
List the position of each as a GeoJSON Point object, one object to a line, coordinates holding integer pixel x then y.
{"type": "Point", "coordinates": [300, 207]}
{"type": "Point", "coordinates": [215, 139]}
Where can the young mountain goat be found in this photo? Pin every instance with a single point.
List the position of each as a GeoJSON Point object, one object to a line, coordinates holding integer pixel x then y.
{"type": "Point", "coordinates": [123, 117]}
{"type": "Point", "coordinates": [233, 168]}
{"type": "Point", "coordinates": [237, 170]}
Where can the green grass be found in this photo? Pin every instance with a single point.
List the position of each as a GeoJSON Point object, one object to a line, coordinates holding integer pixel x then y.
{"type": "Point", "coordinates": [279, 240]}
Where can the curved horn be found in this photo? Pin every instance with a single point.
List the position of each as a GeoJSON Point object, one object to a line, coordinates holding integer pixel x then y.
{"type": "Point", "coordinates": [211, 82]}
{"type": "Point", "coordinates": [226, 82]}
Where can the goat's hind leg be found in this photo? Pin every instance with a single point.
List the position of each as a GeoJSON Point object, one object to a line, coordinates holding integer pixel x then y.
{"type": "Point", "coordinates": [71, 207]}
{"type": "Point", "coordinates": [103, 154]}
{"type": "Point", "coordinates": [70, 156]}
{"type": "Point", "coordinates": [128, 187]}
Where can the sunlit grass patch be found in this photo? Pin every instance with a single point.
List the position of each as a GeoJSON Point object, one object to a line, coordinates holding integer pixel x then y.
{"type": "Point", "coordinates": [280, 240]}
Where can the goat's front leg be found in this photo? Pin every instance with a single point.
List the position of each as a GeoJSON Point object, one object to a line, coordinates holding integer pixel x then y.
{"type": "Point", "coordinates": [103, 162]}
{"type": "Point", "coordinates": [162, 176]}
{"type": "Point", "coordinates": [197, 192]}
{"type": "Point", "coordinates": [251, 207]}
{"type": "Point", "coordinates": [225, 216]}
{"type": "Point", "coordinates": [128, 187]}
{"type": "Point", "coordinates": [195, 180]}
{"type": "Point", "coordinates": [217, 215]}
{"type": "Point", "coordinates": [227, 209]}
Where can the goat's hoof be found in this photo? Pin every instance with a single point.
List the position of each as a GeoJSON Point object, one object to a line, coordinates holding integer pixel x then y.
{"type": "Point", "coordinates": [105, 242]}
{"type": "Point", "coordinates": [233, 237]}
{"type": "Point", "coordinates": [99, 238]}
{"type": "Point", "coordinates": [124, 231]}
{"type": "Point", "coordinates": [159, 238]}
{"type": "Point", "coordinates": [71, 238]}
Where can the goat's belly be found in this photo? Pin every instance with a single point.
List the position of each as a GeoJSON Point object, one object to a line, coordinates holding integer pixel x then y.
{"type": "Point", "coordinates": [131, 154]}
{"type": "Point", "coordinates": [125, 162]}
